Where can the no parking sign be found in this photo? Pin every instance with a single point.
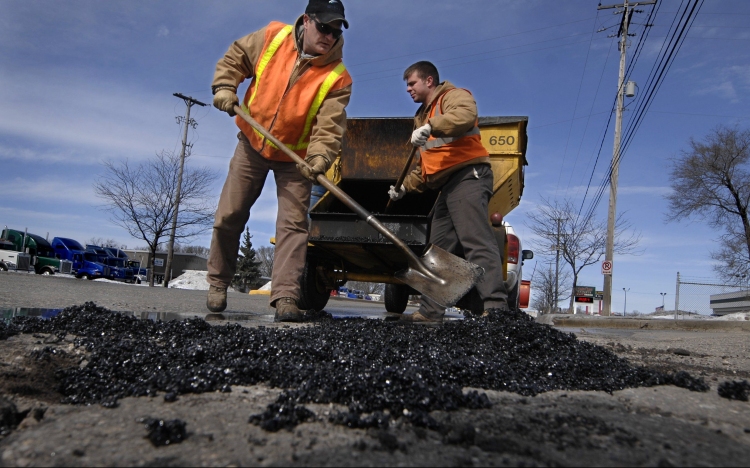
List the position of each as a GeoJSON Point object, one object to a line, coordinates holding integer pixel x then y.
{"type": "Point", "coordinates": [606, 267]}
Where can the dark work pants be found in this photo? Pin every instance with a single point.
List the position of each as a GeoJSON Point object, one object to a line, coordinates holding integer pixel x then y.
{"type": "Point", "coordinates": [246, 178]}
{"type": "Point", "coordinates": [460, 223]}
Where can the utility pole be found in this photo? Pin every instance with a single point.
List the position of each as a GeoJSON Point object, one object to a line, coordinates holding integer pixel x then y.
{"type": "Point", "coordinates": [557, 265]}
{"type": "Point", "coordinates": [189, 102]}
{"type": "Point", "coordinates": [628, 8]}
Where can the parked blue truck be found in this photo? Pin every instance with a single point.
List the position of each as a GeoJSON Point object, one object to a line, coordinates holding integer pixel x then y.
{"type": "Point", "coordinates": [85, 264]}
{"type": "Point", "coordinates": [118, 270]}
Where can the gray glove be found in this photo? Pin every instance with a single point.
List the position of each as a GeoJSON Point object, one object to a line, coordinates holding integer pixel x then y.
{"type": "Point", "coordinates": [419, 136]}
{"type": "Point", "coordinates": [318, 165]}
{"type": "Point", "coordinates": [396, 194]}
{"type": "Point", "coordinates": [225, 99]}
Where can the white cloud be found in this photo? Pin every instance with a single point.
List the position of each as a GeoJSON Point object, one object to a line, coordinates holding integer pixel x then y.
{"type": "Point", "coordinates": [46, 189]}
{"type": "Point", "coordinates": [643, 190]}
{"type": "Point", "coordinates": [162, 31]}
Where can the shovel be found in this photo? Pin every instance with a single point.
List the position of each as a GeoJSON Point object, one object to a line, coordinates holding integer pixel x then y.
{"type": "Point", "coordinates": [439, 275]}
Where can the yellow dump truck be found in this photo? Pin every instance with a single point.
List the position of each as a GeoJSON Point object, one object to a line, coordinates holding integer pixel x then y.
{"type": "Point", "coordinates": [343, 247]}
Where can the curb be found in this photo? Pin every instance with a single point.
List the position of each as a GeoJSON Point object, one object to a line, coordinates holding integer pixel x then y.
{"type": "Point", "coordinates": [643, 324]}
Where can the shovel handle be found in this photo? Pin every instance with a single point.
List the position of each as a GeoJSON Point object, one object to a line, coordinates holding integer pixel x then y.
{"type": "Point", "coordinates": [335, 190]}
{"type": "Point", "coordinates": [404, 172]}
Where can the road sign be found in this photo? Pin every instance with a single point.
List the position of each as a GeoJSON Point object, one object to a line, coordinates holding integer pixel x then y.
{"type": "Point", "coordinates": [587, 291]}
{"type": "Point", "coordinates": [606, 267]}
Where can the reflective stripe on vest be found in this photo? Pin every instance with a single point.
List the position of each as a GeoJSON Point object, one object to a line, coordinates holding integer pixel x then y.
{"type": "Point", "coordinates": [439, 154]}
{"type": "Point", "coordinates": [438, 142]}
{"type": "Point", "coordinates": [267, 55]}
{"type": "Point", "coordinates": [328, 83]}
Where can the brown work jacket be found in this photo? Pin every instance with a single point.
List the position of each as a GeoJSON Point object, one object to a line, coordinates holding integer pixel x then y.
{"type": "Point", "coordinates": [458, 117]}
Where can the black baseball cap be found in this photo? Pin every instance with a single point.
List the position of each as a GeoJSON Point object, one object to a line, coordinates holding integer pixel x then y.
{"type": "Point", "coordinates": [327, 10]}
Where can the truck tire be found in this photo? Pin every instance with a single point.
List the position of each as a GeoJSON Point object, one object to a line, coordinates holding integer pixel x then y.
{"type": "Point", "coordinates": [3, 267]}
{"type": "Point", "coordinates": [47, 271]}
{"type": "Point", "coordinates": [86, 276]}
{"type": "Point", "coordinates": [313, 293]}
{"type": "Point", "coordinates": [396, 297]}
{"type": "Point", "coordinates": [514, 296]}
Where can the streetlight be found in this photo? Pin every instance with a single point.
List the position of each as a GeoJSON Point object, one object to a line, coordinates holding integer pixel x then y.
{"type": "Point", "coordinates": [662, 300]}
{"type": "Point", "coordinates": [625, 307]}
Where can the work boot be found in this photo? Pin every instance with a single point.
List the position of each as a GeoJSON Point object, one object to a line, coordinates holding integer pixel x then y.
{"type": "Point", "coordinates": [217, 299]}
{"type": "Point", "coordinates": [418, 318]}
{"type": "Point", "coordinates": [287, 311]}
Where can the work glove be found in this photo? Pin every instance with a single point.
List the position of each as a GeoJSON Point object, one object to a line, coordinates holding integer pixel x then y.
{"type": "Point", "coordinates": [419, 136]}
{"type": "Point", "coordinates": [225, 99]}
{"type": "Point", "coordinates": [396, 194]}
{"type": "Point", "coordinates": [318, 165]}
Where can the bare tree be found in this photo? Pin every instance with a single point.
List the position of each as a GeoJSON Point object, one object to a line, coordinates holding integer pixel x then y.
{"type": "Point", "coordinates": [141, 199]}
{"type": "Point", "coordinates": [543, 284]}
{"type": "Point", "coordinates": [581, 240]}
{"type": "Point", "coordinates": [711, 181]}
{"type": "Point", "coordinates": [190, 249]}
{"type": "Point", "coordinates": [264, 255]}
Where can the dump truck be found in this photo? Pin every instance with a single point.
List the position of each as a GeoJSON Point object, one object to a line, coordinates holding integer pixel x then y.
{"type": "Point", "coordinates": [43, 256]}
{"type": "Point", "coordinates": [343, 247]}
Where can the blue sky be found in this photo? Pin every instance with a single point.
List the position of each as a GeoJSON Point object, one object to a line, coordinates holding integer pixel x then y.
{"type": "Point", "coordinates": [83, 82]}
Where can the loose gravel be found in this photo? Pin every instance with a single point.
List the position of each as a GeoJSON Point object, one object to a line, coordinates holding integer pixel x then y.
{"type": "Point", "coordinates": [379, 370]}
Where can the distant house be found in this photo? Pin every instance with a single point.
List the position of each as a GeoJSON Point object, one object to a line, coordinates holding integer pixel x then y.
{"type": "Point", "coordinates": [180, 262]}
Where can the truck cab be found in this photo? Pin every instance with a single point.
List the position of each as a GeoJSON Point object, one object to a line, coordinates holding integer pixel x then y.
{"type": "Point", "coordinates": [119, 259]}
{"type": "Point", "coordinates": [117, 269]}
{"type": "Point", "coordinates": [43, 256]}
{"type": "Point", "coordinates": [85, 264]}
{"type": "Point", "coordinates": [10, 259]}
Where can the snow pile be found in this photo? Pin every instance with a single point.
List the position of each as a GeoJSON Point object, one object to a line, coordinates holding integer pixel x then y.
{"type": "Point", "coordinates": [191, 279]}
{"type": "Point", "coordinates": [734, 317]}
{"type": "Point", "coordinates": [265, 287]}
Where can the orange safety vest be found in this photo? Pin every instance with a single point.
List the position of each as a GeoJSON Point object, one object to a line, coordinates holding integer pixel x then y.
{"type": "Point", "coordinates": [288, 114]}
{"type": "Point", "coordinates": [439, 154]}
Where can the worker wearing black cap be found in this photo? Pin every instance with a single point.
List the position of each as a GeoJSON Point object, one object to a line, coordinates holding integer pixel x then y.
{"type": "Point", "coordinates": [299, 92]}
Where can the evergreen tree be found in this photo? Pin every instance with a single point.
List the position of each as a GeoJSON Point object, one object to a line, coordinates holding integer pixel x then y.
{"type": "Point", "coordinates": [248, 270]}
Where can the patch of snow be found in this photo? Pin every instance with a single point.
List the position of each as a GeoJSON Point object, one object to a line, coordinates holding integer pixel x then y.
{"type": "Point", "coordinates": [192, 279]}
{"type": "Point", "coordinates": [737, 316]}
{"type": "Point", "coordinates": [265, 287]}
{"type": "Point", "coordinates": [105, 280]}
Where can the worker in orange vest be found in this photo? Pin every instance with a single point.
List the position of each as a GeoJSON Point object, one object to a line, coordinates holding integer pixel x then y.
{"type": "Point", "coordinates": [453, 160]}
{"type": "Point", "coordinates": [299, 92]}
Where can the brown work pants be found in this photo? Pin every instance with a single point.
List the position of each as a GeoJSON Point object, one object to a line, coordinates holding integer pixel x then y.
{"type": "Point", "coordinates": [247, 175]}
{"type": "Point", "coordinates": [460, 225]}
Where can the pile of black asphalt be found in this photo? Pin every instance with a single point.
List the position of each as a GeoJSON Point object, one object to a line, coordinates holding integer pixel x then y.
{"type": "Point", "coordinates": [378, 370]}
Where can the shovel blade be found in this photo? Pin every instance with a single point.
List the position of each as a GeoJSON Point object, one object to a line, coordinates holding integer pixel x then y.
{"type": "Point", "coordinates": [441, 276]}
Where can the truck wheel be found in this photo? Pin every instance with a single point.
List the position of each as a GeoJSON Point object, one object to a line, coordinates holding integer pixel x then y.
{"type": "Point", "coordinates": [513, 296]}
{"type": "Point", "coordinates": [396, 297]}
{"type": "Point", "coordinates": [86, 276]}
{"type": "Point", "coordinates": [48, 272]}
{"type": "Point", "coordinates": [313, 293]}
{"type": "Point", "coordinates": [3, 267]}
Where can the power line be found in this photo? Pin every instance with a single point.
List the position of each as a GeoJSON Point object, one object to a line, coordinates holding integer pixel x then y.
{"type": "Point", "coordinates": [575, 107]}
{"type": "Point", "coordinates": [470, 43]}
